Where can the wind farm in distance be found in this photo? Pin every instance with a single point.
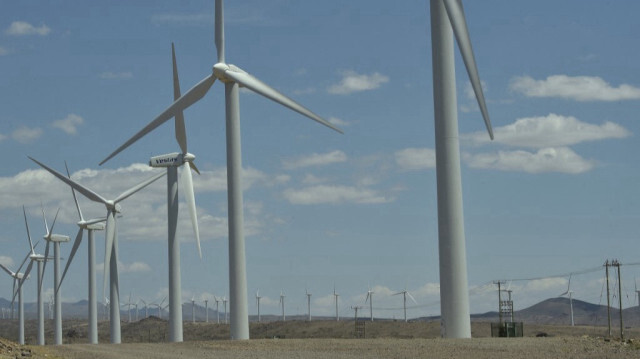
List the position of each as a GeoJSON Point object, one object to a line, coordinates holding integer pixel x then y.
{"type": "Point", "coordinates": [362, 172]}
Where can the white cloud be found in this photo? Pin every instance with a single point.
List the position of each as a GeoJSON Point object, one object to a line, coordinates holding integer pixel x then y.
{"type": "Point", "coordinates": [550, 131]}
{"type": "Point", "coordinates": [69, 124]}
{"type": "Point", "coordinates": [546, 284]}
{"type": "Point", "coordinates": [20, 28]}
{"type": "Point", "coordinates": [315, 159]}
{"type": "Point", "coordinates": [135, 267]}
{"type": "Point", "coordinates": [305, 91]}
{"type": "Point", "coordinates": [561, 159]}
{"type": "Point", "coordinates": [326, 194]}
{"type": "Point", "coordinates": [579, 88]}
{"type": "Point", "coordinates": [338, 122]}
{"type": "Point", "coordinates": [2, 137]}
{"type": "Point", "coordinates": [411, 159]}
{"type": "Point", "coordinates": [353, 82]}
{"type": "Point", "coordinates": [26, 135]}
{"type": "Point", "coordinates": [3, 51]}
{"type": "Point", "coordinates": [7, 261]}
{"type": "Point", "coordinates": [312, 180]}
{"type": "Point", "coordinates": [109, 75]}
{"type": "Point", "coordinates": [182, 19]}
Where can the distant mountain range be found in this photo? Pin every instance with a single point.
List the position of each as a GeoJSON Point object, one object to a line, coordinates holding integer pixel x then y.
{"type": "Point", "coordinates": [554, 311]}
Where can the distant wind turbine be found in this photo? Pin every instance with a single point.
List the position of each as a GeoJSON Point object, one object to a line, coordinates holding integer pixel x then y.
{"type": "Point", "coordinates": [370, 299]}
{"type": "Point", "coordinates": [336, 295]}
{"type": "Point", "coordinates": [17, 290]}
{"type": "Point", "coordinates": [635, 284]}
{"type": "Point", "coordinates": [233, 78]}
{"type": "Point", "coordinates": [308, 304]}
{"type": "Point", "coordinates": [282, 304]}
{"type": "Point", "coordinates": [217, 300]}
{"type": "Point", "coordinates": [224, 302]}
{"type": "Point", "coordinates": [569, 293]}
{"type": "Point", "coordinates": [405, 293]}
{"type": "Point", "coordinates": [193, 310]}
{"type": "Point", "coordinates": [206, 310]}
{"type": "Point", "coordinates": [454, 291]}
{"type": "Point", "coordinates": [258, 303]}
{"type": "Point", "coordinates": [111, 240]}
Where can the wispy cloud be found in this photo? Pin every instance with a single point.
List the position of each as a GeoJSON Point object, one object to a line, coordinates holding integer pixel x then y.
{"type": "Point", "coordinates": [7, 261]}
{"type": "Point", "coordinates": [353, 82]}
{"type": "Point", "coordinates": [327, 194]}
{"type": "Point", "coordinates": [561, 159]}
{"type": "Point", "coordinates": [2, 137]}
{"type": "Point", "coordinates": [69, 124]}
{"type": "Point", "coordinates": [108, 75]}
{"type": "Point", "coordinates": [26, 134]}
{"type": "Point", "coordinates": [3, 51]}
{"type": "Point", "coordinates": [579, 88]}
{"type": "Point", "coordinates": [411, 159]}
{"type": "Point", "coordinates": [550, 131]}
{"type": "Point", "coordinates": [21, 28]}
{"type": "Point", "coordinates": [183, 19]}
{"type": "Point", "coordinates": [315, 159]}
{"type": "Point", "coordinates": [338, 122]}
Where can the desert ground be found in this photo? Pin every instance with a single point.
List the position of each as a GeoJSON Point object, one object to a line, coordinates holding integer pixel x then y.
{"type": "Point", "coordinates": [324, 339]}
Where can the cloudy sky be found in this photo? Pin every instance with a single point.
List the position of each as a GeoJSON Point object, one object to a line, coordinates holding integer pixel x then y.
{"type": "Point", "coordinates": [554, 193]}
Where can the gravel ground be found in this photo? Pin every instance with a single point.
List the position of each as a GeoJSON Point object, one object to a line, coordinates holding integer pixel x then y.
{"type": "Point", "coordinates": [477, 348]}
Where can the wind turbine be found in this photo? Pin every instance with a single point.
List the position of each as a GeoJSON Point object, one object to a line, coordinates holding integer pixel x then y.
{"type": "Point", "coordinates": [39, 258]}
{"type": "Point", "coordinates": [282, 296]}
{"type": "Point", "coordinates": [258, 303]}
{"type": "Point", "coordinates": [635, 283]}
{"type": "Point", "coordinates": [172, 161]}
{"type": "Point", "coordinates": [370, 299]}
{"type": "Point", "coordinates": [454, 291]}
{"type": "Point", "coordinates": [336, 295]}
{"type": "Point", "coordinates": [193, 309]}
{"type": "Point", "coordinates": [136, 305]}
{"type": "Point", "coordinates": [224, 302]}
{"type": "Point", "coordinates": [569, 292]}
{"type": "Point", "coordinates": [90, 226]}
{"type": "Point", "coordinates": [129, 304]}
{"type": "Point", "coordinates": [206, 310]}
{"type": "Point", "coordinates": [111, 240]}
{"type": "Point", "coordinates": [146, 308]}
{"type": "Point", "coordinates": [405, 293]}
{"type": "Point", "coordinates": [56, 239]}
{"type": "Point", "coordinates": [217, 311]}
{"type": "Point", "coordinates": [17, 278]}
{"type": "Point", "coordinates": [233, 78]}
{"type": "Point", "coordinates": [308, 303]}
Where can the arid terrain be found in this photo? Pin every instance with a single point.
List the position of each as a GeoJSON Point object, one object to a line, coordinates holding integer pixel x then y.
{"type": "Point", "coordinates": [324, 339]}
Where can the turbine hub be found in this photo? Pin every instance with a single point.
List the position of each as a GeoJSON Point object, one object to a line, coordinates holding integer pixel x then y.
{"type": "Point", "coordinates": [219, 71]}
{"type": "Point", "coordinates": [188, 157]}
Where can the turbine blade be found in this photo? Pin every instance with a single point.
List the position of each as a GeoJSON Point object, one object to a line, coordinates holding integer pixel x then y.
{"type": "Point", "coordinates": [74, 249]}
{"type": "Point", "coordinates": [80, 188]}
{"type": "Point", "coordinates": [138, 187]}
{"type": "Point", "coordinates": [26, 274]}
{"type": "Point", "coordinates": [44, 218]}
{"type": "Point", "coordinates": [15, 292]}
{"type": "Point", "coordinates": [220, 30]}
{"type": "Point", "coordinates": [412, 298]}
{"type": "Point", "coordinates": [181, 135]}
{"type": "Point", "coordinates": [190, 198]}
{"type": "Point", "coordinates": [259, 87]}
{"type": "Point", "coordinates": [95, 220]}
{"type": "Point", "coordinates": [27, 225]}
{"type": "Point", "coordinates": [54, 220]}
{"type": "Point", "coordinates": [6, 269]}
{"type": "Point", "coordinates": [188, 99]}
{"type": "Point", "coordinates": [44, 264]}
{"type": "Point", "coordinates": [73, 192]}
{"type": "Point", "coordinates": [23, 262]}
{"type": "Point", "coordinates": [193, 167]}
{"type": "Point", "coordinates": [459, 25]}
{"type": "Point", "coordinates": [108, 245]}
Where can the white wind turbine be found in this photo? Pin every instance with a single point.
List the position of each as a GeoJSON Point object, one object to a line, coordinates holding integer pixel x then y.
{"type": "Point", "coordinates": [635, 284]}
{"type": "Point", "coordinates": [282, 296]}
{"type": "Point", "coordinates": [206, 310]}
{"type": "Point", "coordinates": [90, 226]}
{"type": "Point", "coordinates": [146, 308]}
{"type": "Point", "coordinates": [111, 240]}
{"type": "Point", "coordinates": [224, 302]}
{"type": "Point", "coordinates": [40, 259]}
{"type": "Point", "coordinates": [172, 161]}
{"type": "Point", "coordinates": [405, 293]}
{"type": "Point", "coordinates": [569, 293]}
{"type": "Point", "coordinates": [56, 239]}
{"type": "Point", "coordinates": [258, 303]}
{"type": "Point", "coordinates": [308, 303]}
{"type": "Point", "coordinates": [217, 300]}
{"type": "Point", "coordinates": [370, 299]}
{"type": "Point", "coordinates": [129, 303]}
{"type": "Point", "coordinates": [17, 290]}
{"type": "Point", "coordinates": [233, 78]}
{"type": "Point", "coordinates": [193, 309]}
{"type": "Point", "coordinates": [335, 296]}
{"type": "Point", "coordinates": [454, 291]}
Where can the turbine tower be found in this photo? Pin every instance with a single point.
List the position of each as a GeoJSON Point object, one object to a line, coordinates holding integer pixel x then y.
{"type": "Point", "coordinates": [454, 295]}
{"type": "Point", "coordinates": [193, 310]}
{"type": "Point", "coordinates": [370, 299]}
{"type": "Point", "coordinates": [40, 259]}
{"type": "Point", "coordinates": [635, 284]}
{"type": "Point", "coordinates": [308, 303]}
{"type": "Point", "coordinates": [258, 303]}
{"type": "Point", "coordinates": [569, 292]}
{"type": "Point", "coordinates": [111, 240]}
{"type": "Point", "coordinates": [233, 78]}
{"type": "Point", "coordinates": [282, 304]}
{"type": "Point", "coordinates": [335, 296]}
{"type": "Point", "coordinates": [56, 239]}
{"type": "Point", "coordinates": [217, 306]}
{"type": "Point", "coordinates": [224, 302]}
{"type": "Point", "coordinates": [206, 310]}
{"type": "Point", "coordinates": [17, 278]}
{"type": "Point", "coordinates": [90, 226]}
{"type": "Point", "coordinates": [405, 293]}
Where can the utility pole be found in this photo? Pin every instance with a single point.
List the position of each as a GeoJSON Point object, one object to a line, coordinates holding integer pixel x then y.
{"type": "Point", "coordinates": [617, 264]}
{"type": "Point", "coordinates": [606, 267]}
{"type": "Point", "coordinates": [356, 310]}
{"type": "Point", "coordinates": [499, 283]}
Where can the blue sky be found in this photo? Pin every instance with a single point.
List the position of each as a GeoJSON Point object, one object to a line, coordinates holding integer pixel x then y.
{"type": "Point", "coordinates": [554, 193]}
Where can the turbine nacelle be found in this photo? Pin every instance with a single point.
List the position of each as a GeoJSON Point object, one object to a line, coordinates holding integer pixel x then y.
{"type": "Point", "coordinates": [57, 238]}
{"type": "Point", "coordinates": [220, 72]}
{"type": "Point", "coordinates": [111, 206]}
{"type": "Point", "coordinates": [174, 159]}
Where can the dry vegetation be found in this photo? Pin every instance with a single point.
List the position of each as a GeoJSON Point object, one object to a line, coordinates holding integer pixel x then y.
{"type": "Point", "coordinates": [322, 339]}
